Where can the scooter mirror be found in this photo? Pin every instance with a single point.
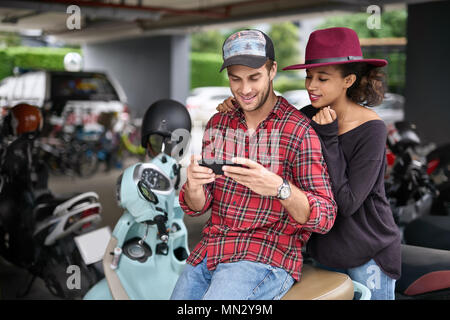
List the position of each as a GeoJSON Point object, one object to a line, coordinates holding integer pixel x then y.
{"type": "Point", "coordinates": [147, 193]}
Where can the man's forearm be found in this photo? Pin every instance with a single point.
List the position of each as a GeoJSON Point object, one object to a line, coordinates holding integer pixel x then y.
{"type": "Point", "coordinates": [297, 205]}
{"type": "Point", "coordinates": [195, 198]}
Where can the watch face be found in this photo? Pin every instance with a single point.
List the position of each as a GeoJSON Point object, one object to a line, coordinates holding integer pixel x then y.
{"type": "Point", "coordinates": [285, 192]}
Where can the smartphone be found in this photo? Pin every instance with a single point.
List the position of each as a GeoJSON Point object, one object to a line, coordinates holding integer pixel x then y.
{"type": "Point", "coordinates": [217, 167]}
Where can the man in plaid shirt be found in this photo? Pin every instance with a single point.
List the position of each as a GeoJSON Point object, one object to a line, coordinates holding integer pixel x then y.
{"type": "Point", "coordinates": [263, 213]}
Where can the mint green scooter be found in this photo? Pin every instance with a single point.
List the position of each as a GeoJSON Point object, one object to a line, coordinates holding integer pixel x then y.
{"type": "Point", "coordinates": [148, 246]}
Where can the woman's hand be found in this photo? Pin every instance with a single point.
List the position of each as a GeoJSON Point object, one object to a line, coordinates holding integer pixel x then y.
{"type": "Point", "coordinates": [325, 115]}
{"type": "Point", "coordinates": [226, 105]}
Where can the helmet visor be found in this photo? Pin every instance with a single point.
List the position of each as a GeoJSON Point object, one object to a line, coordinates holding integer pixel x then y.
{"type": "Point", "coordinates": [155, 144]}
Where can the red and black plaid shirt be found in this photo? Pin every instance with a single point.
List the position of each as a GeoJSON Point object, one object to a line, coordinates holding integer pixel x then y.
{"type": "Point", "coordinates": [245, 225]}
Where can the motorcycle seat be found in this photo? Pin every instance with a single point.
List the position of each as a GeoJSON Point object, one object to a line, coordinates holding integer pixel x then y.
{"type": "Point", "coordinates": [423, 270]}
{"type": "Point", "coordinates": [429, 231]}
{"type": "Point", "coordinates": [321, 284]}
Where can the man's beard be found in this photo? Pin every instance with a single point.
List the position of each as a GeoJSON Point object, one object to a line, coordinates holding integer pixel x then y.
{"type": "Point", "coordinates": [264, 99]}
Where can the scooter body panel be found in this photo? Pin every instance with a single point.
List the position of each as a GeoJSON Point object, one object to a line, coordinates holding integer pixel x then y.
{"type": "Point", "coordinates": [154, 275]}
{"type": "Point", "coordinates": [100, 291]}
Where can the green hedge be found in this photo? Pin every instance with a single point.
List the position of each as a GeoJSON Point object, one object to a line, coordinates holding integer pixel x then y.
{"type": "Point", "coordinates": [32, 58]}
{"type": "Point", "coordinates": [205, 70]}
{"type": "Point", "coordinates": [285, 83]}
{"type": "Point", "coordinates": [6, 64]}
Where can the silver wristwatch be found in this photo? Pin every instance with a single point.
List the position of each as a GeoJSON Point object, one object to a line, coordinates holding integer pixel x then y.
{"type": "Point", "coordinates": [284, 190]}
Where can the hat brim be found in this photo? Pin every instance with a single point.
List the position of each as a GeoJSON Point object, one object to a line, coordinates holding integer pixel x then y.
{"type": "Point", "coordinates": [251, 61]}
{"type": "Point", "coordinates": [374, 62]}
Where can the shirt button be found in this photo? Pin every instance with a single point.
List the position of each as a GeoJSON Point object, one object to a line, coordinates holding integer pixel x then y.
{"type": "Point", "coordinates": [234, 202]}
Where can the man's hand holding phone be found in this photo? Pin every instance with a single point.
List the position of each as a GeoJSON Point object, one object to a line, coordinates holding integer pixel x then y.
{"type": "Point", "coordinates": [198, 175]}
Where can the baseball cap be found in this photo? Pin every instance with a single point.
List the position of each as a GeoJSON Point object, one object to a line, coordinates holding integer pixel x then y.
{"type": "Point", "coordinates": [248, 47]}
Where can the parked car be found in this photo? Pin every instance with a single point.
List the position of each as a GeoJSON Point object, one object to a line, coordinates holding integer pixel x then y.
{"type": "Point", "coordinates": [76, 97]}
{"type": "Point", "coordinates": [202, 103]}
{"type": "Point", "coordinates": [392, 108]}
{"type": "Point", "coordinates": [298, 98]}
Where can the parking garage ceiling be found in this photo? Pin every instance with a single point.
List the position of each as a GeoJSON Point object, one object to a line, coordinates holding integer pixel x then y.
{"type": "Point", "coordinates": [105, 20]}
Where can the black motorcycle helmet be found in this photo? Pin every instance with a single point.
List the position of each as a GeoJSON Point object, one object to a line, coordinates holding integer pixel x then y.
{"type": "Point", "coordinates": [160, 120]}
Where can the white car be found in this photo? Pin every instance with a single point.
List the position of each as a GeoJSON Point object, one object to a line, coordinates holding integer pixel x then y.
{"type": "Point", "coordinates": [298, 98]}
{"type": "Point", "coordinates": [392, 108]}
{"type": "Point", "coordinates": [203, 101]}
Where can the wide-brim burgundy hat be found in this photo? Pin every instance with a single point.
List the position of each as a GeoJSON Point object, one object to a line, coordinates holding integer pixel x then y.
{"type": "Point", "coordinates": [334, 46]}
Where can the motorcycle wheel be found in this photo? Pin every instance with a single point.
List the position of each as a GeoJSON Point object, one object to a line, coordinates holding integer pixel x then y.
{"type": "Point", "coordinates": [87, 162]}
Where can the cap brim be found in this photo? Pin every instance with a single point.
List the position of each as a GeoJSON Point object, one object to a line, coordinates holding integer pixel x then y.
{"type": "Point", "coordinates": [251, 61]}
{"type": "Point", "coordinates": [374, 62]}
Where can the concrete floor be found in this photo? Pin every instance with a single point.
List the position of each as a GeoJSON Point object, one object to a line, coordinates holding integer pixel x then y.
{"type": "Point", "coordinates": [13, 279]}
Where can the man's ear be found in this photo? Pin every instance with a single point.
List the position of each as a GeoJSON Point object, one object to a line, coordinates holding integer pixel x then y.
{"type": "Point", "coordinates": [273, 71]}
{"type": "Point", "coordinates": [349, 80]}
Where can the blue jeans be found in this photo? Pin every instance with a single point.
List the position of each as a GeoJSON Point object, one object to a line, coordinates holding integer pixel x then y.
{"type": "Point", "coordinates": [242, 280]}
{"type": "Point", "coordinates": [381, 286]}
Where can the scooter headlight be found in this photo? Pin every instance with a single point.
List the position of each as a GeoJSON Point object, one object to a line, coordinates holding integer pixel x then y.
{"type": "Point", "coordinates": [118, 188]}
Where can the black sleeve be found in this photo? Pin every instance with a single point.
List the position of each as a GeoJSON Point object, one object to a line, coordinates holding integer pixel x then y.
{"type": "Point", "coordinates": [309, 111]}
{"type": "Point", "coordinates": [353, 178]}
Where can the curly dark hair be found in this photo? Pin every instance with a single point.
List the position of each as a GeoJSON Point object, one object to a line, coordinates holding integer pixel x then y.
{"type": "Point", "coordinates": [370, 84]}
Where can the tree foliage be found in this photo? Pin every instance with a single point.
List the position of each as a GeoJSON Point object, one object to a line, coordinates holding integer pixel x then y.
{"type": "Point", "coordinates": [393, 24]}
{"type": "Point", "coordinates": [285, 38]}
{"type": "Point", "coordinates": [208, 41]}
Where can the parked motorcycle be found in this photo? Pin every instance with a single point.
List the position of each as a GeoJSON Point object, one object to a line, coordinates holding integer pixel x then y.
{"type": "Point", "coordinates": [438, 168]}
{"type": "Point", "coordinates": [425, 274]}
{"type": "Point", "coordinates": [412, 193]}
{"type": "Point", "coordinates": [37, 228]}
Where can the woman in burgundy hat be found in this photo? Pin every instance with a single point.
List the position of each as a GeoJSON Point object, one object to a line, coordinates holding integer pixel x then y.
{"type": "Point", "coordinates": [364, 241]}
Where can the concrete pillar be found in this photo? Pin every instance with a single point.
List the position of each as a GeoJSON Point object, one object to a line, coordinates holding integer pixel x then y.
{"type": "Point", "coordinates": [427, 70]}
{"type": "Point", "coordinates": [180, 68]}
{"type": "Point", "coordinates": [148, 69]}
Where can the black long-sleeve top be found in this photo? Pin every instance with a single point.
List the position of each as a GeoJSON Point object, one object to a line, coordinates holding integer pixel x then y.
{"type": "Point", "coordinates": [364, 228]}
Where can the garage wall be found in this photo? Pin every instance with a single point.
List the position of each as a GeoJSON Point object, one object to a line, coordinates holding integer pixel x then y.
{"type": "Point", "coordinates": [148, 69]}
{"type": "Point", "coordinates": [428, 69]}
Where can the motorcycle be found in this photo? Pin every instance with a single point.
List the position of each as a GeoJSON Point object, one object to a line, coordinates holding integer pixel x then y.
{"type": "Point", "coordinates": [412, 193]}
{"type": "Point", "coordinates": [425, 274]}
{"type": "Point", "coordinates": [438, 168]}
{"type": "Point", "coordinates": [38, 230]}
